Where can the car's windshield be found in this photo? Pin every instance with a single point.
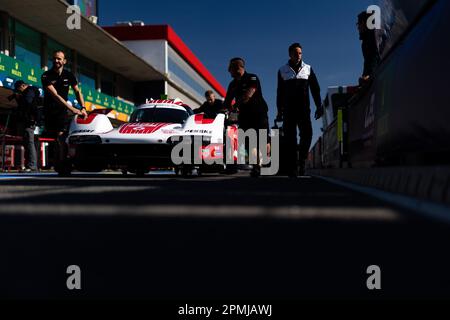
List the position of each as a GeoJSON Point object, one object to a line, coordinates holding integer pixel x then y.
{"type": "Point", "coordinates": [165, 115]}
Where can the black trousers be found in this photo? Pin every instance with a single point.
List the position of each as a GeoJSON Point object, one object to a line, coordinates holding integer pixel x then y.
{"type": "Point", "coordinates": [300, 118]}
{"type": "Point", "coordinates": [54, 125]}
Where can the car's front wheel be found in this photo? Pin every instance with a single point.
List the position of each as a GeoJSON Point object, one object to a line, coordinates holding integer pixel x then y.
{"type": "Point", "coordinates": [64, 168]}
{"type": "Point", "coordinates": [141, 173]}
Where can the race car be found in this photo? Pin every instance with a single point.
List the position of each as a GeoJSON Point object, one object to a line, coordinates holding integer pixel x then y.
{"type": "Point", "coordinates": [146, 142]}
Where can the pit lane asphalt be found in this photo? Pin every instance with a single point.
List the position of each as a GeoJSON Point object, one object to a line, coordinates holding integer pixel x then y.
{"type": "Point", "coordinates": [213, 237]}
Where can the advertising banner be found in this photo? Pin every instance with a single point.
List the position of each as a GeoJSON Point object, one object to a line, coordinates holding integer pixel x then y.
{"type": "Point", "coordinates": [15, 69]}
{"type": "Point", "coordinates": [12, 69]}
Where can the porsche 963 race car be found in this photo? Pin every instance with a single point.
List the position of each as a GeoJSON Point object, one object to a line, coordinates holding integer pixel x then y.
{"type": "Point", "coordinates": [146, 142]}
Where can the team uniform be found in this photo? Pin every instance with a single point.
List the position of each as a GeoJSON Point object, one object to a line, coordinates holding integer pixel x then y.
{"type": "Point", "coordinates": [28, 117]}
{"type": "Point", "coordinates": [57, 116]}
{"type": "Point", "coordinates": [210, 111]}
{"type": "Point", "coordinates": [294, 84]}
{"type": "Point", "coordinates": [253, 114]}
{"type": "Point", "coordinates": [370, 52]}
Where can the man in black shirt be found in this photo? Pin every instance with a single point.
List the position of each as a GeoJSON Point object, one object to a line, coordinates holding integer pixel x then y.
{"type": "Point", "coordinates": [295, 80]}
{"type": "Point", "coordinates": [245, 89]}
{"type": "Point", "coordinates": [58, 111]}
{"type": "Point", "coordinates": [212, 107]}
{"type": "Point", "coordinates": [27, 118]}
{"type": "Point", "coordinates": [369, 48]}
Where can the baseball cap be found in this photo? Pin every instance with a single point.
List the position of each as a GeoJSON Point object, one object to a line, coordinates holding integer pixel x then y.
{"type": "Point", "coordinates": [17, 85]}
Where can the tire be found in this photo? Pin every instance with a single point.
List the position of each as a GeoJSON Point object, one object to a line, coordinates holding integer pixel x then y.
{"type": "Point", "coordinates": [141, 173]}
{"type": "Point", "coordinates": [189, 172]}
{"type": "Point", "coordinates": [64, 174]}
{"type": "Point", "coordinates": [231, 169]}
{"type": "Point", "coordinates": [186, 172]}
{"type": "Point", "coordinates": [64, 169]}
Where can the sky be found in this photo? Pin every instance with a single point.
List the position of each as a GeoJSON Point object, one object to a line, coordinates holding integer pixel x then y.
{"type": "Point", "coordinates": [260, 32]}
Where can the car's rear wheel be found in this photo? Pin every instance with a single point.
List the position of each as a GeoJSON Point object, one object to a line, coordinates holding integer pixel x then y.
{"type": "Point", "coordinates": [188, 171]}
{"type": "Point", "coordinates": [230, 169]}
{"type": "Point", "coordinates": [141, 172]}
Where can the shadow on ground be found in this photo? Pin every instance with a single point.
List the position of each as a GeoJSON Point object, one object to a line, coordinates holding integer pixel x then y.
{"type": "Point", "coordinates": [259, 256]}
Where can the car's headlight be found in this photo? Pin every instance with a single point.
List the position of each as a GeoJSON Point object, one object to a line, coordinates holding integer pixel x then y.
{"type": "Point", "coordinates": [85, 140]}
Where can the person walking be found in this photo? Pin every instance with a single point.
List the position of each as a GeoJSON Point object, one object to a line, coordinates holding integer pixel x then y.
{"type": "Point", "coordinates": [295, 80]}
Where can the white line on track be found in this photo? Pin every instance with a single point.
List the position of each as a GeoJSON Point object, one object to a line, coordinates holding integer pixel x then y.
{"type": "Point", "coordinates": [6, 177]}
{"type": "Point", "coordinates": [203, 211]}
{"type": "Point", "coordinates": [429, 209]}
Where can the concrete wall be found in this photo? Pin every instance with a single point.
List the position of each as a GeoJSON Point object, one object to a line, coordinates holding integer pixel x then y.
{"type": "Point", "coordinates": [427, 183]}
{"type": "Point", "coordinates": [200, 84]}
{"type": "Point", "coordinates": [152, 51]}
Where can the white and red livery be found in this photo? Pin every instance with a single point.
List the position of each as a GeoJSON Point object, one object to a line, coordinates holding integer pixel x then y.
{"type": "Point", "coordinates": [145, 142]}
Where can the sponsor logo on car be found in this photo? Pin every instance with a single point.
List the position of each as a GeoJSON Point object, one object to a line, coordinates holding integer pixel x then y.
{"type": "Point", "coordinates": [141, 128]}
{"type": "Point", "coordinates": [198, 131]}
{"type": "Point", "coordinates": [82, 131]}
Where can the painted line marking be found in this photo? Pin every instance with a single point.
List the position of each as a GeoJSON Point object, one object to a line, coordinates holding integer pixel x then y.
{"type": "Point", "coordinates": [430, 209]}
